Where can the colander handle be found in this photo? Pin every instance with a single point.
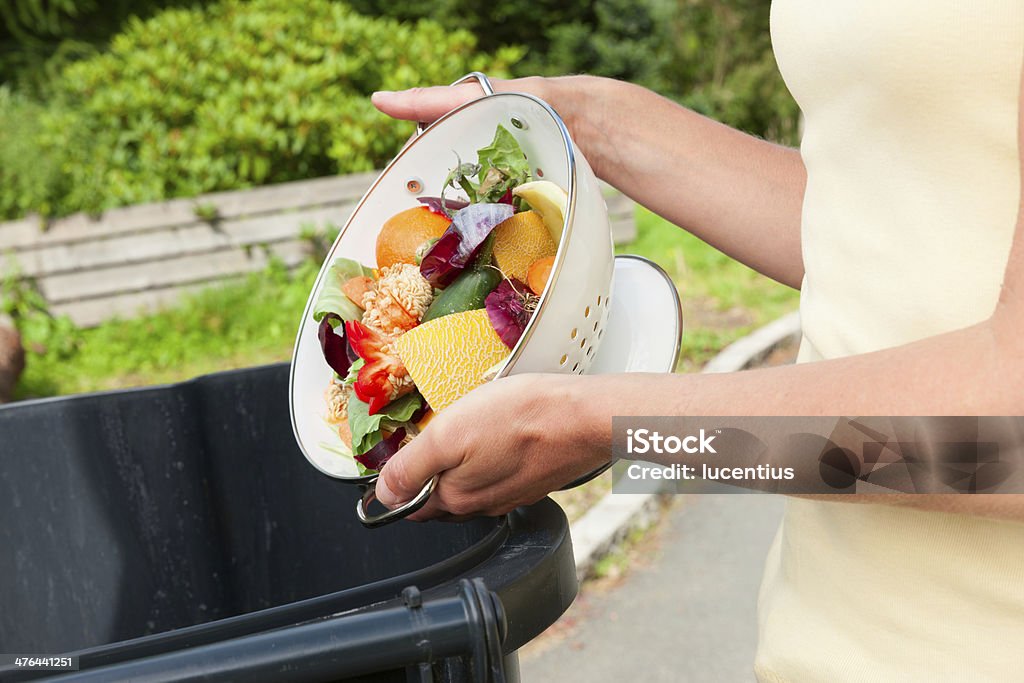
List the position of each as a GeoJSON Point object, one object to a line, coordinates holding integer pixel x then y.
{"type": "Point", "coordinates": [401, 512]}
{"type": "Point", "coordinates": [485, 85]}
{"type": "Point", "coordinates": [587, 477]}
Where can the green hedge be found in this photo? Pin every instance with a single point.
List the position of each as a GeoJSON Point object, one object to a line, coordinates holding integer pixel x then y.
{"type": "Point", "coordinates": [232, 95]}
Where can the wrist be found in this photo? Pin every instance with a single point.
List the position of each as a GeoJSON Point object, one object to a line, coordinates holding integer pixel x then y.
{"type": "Point", "coordinates": [585, 103]}
{"type": "Point", "coordinates": [590, 407]}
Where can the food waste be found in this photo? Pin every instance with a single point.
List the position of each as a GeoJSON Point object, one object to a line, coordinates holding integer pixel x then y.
{"type": "Point", "coordinates": [455, 284]}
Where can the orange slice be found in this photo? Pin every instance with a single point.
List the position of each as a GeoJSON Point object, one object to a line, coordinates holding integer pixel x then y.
{"type": "Point", "coordinates": [402, 234]}
{"type": "Point", "coordinates": [447, 357]}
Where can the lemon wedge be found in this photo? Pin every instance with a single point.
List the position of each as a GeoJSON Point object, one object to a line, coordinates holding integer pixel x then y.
{"type": "Point", "coordinates": [547, 199]}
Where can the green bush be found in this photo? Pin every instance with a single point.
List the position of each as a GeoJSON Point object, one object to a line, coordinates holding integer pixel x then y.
{"type": "Point", "coordinates": [29, 178]}
{"type": "Point", "coordinates": [719, 61]}
{"type": "Point", "coordinates": [714, 56]}
{"type": "Point", "coordinates": [237, 94]}
{"type": "Point", "coordinates": [505, 22]}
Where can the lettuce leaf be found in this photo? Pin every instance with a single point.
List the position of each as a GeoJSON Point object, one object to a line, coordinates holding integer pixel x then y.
{"type": "Point", "coordinates": [366, 428]}
{"type": "Point", "coordinates": [332, 299]}
{"type": "Point", "coordinates": [461, 177]}
{"type": "Point", "coordinates": [353, 372]}
{"type": "Point", "coordinates": [502, 166]}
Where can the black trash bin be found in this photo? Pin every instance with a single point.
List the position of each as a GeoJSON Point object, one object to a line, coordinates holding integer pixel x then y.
{"type": "Point", "coordinates": [176, 533]}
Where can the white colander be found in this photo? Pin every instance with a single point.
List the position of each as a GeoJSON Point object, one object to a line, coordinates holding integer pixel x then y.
{"type": "Point", "coordinates": [565, 332]}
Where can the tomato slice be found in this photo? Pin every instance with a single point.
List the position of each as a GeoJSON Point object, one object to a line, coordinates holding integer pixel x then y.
{"type": "Point", "coordinates": [376, 382]}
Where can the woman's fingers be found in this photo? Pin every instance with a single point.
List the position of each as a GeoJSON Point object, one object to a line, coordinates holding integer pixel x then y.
{"type": "Point", "coordinates": [412, 467]}
{"type": "Point", "coordinates": [424, 105]}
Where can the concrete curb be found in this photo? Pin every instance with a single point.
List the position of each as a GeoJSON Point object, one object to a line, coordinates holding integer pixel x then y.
{"type": "Point", "coordinates": [606, 524]}
{"type": "Point", "coordinates": [749, 350]}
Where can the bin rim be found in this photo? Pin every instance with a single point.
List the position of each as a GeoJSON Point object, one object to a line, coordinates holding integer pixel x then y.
{"type": "Point", "coordinates": [281, 616]}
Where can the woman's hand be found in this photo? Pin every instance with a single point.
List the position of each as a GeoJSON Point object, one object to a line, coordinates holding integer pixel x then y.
{"type": "Point", "coordinates": [579, 101]}
{"type": "Point", "coordinates": [505, 444]}
{"type": "Point", "coordinates": [741, 194]}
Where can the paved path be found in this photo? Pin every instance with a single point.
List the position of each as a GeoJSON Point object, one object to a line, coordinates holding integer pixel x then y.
{"type": "Point", "coordinates": [684, 610]}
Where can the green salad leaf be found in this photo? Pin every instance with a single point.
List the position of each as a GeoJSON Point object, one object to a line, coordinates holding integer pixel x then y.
{"type": "Point", "coordinates": [332, 299]}
{"type": "Point", "coordinates": [461, 177]}
{"type": "Point", "coordinates": [353, 372]}
{"type": "Point", "coordinates": [500, 166]}
{"type": "Point", "coordinates": [366, 428]}
{"type": "Point", "coordinates": [503, 165]}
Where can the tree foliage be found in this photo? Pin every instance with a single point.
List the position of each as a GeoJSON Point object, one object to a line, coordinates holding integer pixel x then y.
{"type": "Point", "coordinates": [37, 36]}
{"type": "Point", "coordinates": [234, 95]}
{"type": "Point", "coordinates": [712, 55]}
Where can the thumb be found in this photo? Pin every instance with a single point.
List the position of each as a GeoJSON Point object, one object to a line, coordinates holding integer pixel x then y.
{"type": "Point", "coordinates": [424, 104]}
{"type": "Point", "coordinates": [410, 469]}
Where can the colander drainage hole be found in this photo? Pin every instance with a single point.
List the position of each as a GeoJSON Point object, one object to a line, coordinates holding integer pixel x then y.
{"type": "Point", "coordinates": [565, 357]}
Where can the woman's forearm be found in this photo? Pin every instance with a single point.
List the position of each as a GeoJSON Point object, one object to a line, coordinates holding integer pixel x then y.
{"type": "Point", "coordinates": [741, 194]}
{"type": "Point", "coordinates": [975, 371]}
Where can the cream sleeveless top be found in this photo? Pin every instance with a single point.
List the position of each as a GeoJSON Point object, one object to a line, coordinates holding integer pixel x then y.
{"type": "Point", "coordinates": [913, 184]}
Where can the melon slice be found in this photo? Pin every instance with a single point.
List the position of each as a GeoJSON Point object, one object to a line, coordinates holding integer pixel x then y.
{"type": "Point", "coordinates": [549, 200]}
{"type": "Point", "coordinates": [519, 241]}
{"type": "Point", "coordinates": [448, 357]}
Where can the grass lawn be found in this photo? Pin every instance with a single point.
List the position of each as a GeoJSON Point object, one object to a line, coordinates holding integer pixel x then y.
{"type": "Point", "coordinates": [235, 325]}
{"type": "Point", "coordinates": [254, 322]}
